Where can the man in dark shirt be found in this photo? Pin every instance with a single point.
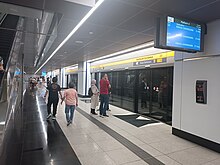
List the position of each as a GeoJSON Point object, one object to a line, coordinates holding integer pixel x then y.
{"type": "Point", "coordinates": [143, 93]}
{"type": "Point", "coordinates": [53, 98]}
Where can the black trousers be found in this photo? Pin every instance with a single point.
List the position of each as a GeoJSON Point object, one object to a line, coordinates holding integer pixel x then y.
{"type": "Point", "coordinates": [55, 103]}
{"type": "Point", "coordinates": [144, 100]}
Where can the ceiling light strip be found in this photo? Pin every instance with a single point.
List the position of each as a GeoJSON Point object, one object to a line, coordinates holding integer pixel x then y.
{"type": "Point", "coordinates": [72, 32]}
{"type": "Point", "coordinates": [136, 48]}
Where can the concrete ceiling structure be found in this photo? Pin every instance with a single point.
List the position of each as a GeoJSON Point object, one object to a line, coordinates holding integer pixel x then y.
{"type": "Point", "coordinates": [116, 25]}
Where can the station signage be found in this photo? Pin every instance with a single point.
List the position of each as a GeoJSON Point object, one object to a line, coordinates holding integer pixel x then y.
{"type": "Point", "coordinates": [147, 62]}
{"type": "Point", "coordinates": [143, 60]}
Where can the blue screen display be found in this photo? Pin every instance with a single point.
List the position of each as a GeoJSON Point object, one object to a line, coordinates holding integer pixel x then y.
{"type": "Point", "coordinates": [43, 73]}
{"type": "Point", "coordinates": [182, 34]}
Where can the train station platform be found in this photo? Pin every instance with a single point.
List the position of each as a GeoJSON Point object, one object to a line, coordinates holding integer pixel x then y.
{"type": "Point", "coordinates": [122, 138]}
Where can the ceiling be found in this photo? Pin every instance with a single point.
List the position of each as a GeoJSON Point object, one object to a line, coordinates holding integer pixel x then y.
{"type": "Point", "coordinates": [114, 26]}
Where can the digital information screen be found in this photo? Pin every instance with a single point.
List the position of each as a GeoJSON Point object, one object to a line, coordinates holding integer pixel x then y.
{"type": "Point", "coordinates": [43, 73]}
{"type": "Point", "coordinates": [183, 34]}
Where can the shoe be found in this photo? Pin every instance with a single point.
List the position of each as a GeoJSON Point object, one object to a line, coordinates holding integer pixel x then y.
{"type": "Point", "coordinates": [54, 118]}
{"type": "Point", "coordinates": [106, 115]}
{"type": "Point", "coordinates": [68, 123]}
{"type": "Point", "coordinates": [108, 109]}
{"type": "Point", "coordinates": [101, 116]}
{"type": "Point", "coordinates": [48, 116]}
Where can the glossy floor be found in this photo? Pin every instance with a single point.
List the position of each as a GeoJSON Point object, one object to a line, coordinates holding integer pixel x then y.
{"type": "Point", "coordinates": [44, 141]}
{"type": "Point", "coordinates": [96, 145]}
{"type": "Point", "coordinates": [92, 140]}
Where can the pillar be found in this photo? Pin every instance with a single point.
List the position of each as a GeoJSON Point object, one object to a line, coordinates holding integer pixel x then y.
{"type": "Point", "coordinates": [84, 78]}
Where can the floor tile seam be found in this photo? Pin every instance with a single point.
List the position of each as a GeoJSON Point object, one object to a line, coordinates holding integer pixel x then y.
{"type": "Point", "coordinates": [156, 150]}
{"type": "Point", "coordinates": [92, 141]}
{"type": "Point", "coordinates": [131, 162]}
{"type": "Point", "coordinates": [135, 137]}
{"type": "Point", "coordinates": [165, 140]}
{"type": "Point", "coordinates": [98, 153]}
{"type": "Point", "coordinates": [169, 152]}
{"type": "Point", "coordinates": [106, 138]}
{"type": "Point", "coordinates": [213, 160]}
{"type": "Point", "coordinates": [121, 163]}
{"type": "Point", "coordinates": [184, 150]}
{"type": "Point", "coordinates": [105, 128]}
{"type": "Point", "coordinates": [173, 159]}
{"type": "Point", "coordinates": [75, 146]}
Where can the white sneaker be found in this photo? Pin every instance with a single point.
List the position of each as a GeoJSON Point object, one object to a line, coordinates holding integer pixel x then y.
{"type": "Point", "coordinates": [48, 116]}
{"type": "Point", "coordinates": [53, 117]}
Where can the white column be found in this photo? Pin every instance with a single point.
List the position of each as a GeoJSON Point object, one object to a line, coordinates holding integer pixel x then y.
{"type": "Point", "coordinates": [84, 78]}
{"type": "Point", "coordinates": [63, 78]}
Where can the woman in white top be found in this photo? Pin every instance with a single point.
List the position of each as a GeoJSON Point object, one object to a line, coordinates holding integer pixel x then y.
{"type": "Point", "coordinates": [94, 97]}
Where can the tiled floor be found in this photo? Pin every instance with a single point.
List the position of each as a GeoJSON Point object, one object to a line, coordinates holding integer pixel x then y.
{"type": "Point", "coordinates": [44, 142]}
{"type": "Point", "coordinates": [95, 146]}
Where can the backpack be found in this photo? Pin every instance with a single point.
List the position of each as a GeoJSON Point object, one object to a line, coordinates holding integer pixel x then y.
{"type": "Point", "coordinates": [90, 92]}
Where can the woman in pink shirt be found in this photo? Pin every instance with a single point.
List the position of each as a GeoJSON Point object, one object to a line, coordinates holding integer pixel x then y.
{"type": "Point", "coordinates": [71, 101]}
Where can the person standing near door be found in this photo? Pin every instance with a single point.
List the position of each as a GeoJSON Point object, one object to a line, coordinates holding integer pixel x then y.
{"type": "Point", "coordinates": [160, 95]}
{"type": "Point", "coordinates": [143, 89]}
{"type": "Point", "coordinates": [104, 95]}
{"type": "Point", "coordinates": [94, 97]}
{"type": "Point", "coordinates": [53, 98]}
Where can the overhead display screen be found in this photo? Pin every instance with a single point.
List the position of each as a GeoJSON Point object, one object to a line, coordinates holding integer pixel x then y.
{"type": "Point", "coordinates": [182, 34]}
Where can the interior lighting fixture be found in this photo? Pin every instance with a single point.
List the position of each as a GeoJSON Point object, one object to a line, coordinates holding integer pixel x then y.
{"type": "Point", "coordinates": [71, 66]}
{"type": "Point", "coordinates": [2, 123]}
{"type": "Point", "coordinates": [72, 32]}
{"type": "Point", "coordinates": [79, 42]}
{"type": "Point", "coordinates": [135, 48]}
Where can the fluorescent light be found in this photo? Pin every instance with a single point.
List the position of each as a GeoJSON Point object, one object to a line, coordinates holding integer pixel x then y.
{"type": "Point", "coordinates": [197, 58]}
{"type": "Point", "coordinates": [2, 123]}
{"type": "Point", "coordinates": [71, 66]}
{"type": "Point", "coordinates": [79, 42]}
{"type": "Point", "coordinates": [142, 46]}
{"type": "Point", "coordinates": [72, 32]}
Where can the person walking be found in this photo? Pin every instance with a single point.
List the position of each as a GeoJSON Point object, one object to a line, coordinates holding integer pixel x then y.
{"type": "Point", "coordinates": [104, 95]}
{"type": "Point", "coordinates": [53, 98]}
{"type": "Point", "coordinates": [94, 97]}
{"type": "Point", "coordinates": [71, 101]}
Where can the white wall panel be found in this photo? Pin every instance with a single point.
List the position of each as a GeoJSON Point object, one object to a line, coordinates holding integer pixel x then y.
{"type": "Point", "coordinates": [177, 95]}
{"type": "Point", "coordinates": [201, 119]}
{"type": "Point", "coordinates": [198, 119]}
